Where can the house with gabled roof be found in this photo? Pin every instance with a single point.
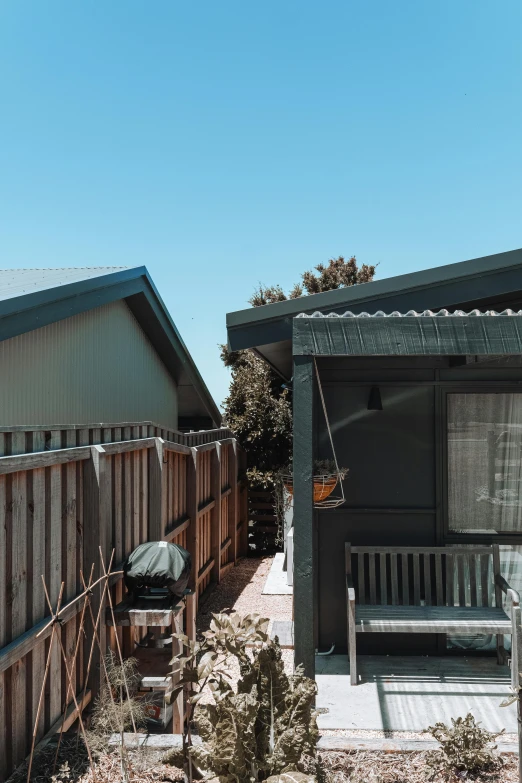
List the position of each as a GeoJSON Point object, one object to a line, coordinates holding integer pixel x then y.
{"type": "Point", "coordinates": [95, 344]}
{"type": "Point", "coordinates": [414, 385]}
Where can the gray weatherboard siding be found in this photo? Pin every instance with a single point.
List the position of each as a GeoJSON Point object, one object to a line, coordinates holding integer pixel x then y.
{"type": "Point", "coordinates": [95, 366]}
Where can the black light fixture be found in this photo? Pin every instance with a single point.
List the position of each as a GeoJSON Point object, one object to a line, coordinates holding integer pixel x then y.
{"type": "Point", "coordinates": [374, 400]}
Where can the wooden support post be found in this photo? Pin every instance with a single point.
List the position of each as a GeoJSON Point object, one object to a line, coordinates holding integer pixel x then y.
{"type": "Point", "coordinates": [243, 503]}
{"type": "Point", "coordinates": [516, 670]}
{"type": "Point", "coordinates": [4, 740]}
{"type": "Point", "coordinates": [192, 512]}
{"type": "Point", "coordinates": [190, 616]}
{"type": "Point", "coordinates": [157, 507]}
{"type": "Point", "coordinates": [215, 524]}
{"type": "Point", "coordinates": [96, 526]}
{"type": "Point", "coordinates": [233, 504]}
{"type": "Point", "coordinates": [19, 674]}
{"type": "Point", "coordinates": [303, 514]}
{"type": "Point", "coordinates": [178, 706]}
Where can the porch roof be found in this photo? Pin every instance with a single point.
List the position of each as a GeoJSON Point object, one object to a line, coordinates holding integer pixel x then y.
{"type": "Point", "coordinates": [492, 281]}
{"type": "Point", "coordinates": [411, 334]}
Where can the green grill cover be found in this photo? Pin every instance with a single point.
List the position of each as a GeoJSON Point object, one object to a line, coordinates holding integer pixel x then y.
{"type": "Point", "coordinates": [160, 565]}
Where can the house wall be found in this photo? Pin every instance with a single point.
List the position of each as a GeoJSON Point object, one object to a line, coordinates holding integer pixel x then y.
{"type": "Point", "coordinates": [395, 490]}
{"type": "Point", "coordinates": [98, 366]}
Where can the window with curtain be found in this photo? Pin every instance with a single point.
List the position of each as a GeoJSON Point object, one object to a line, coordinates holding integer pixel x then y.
{"type": "Point", "coordinates": [485, 463]}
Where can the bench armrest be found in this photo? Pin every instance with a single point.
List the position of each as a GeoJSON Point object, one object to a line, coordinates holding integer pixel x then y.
{"type": "Point", "coordinates": [350, 589]}
{"type": "Point", "coordinates": [510, 593]}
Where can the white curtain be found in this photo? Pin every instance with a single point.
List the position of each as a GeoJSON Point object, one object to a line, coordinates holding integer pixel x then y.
{"type": "Point", "coordinates": [485, 463]}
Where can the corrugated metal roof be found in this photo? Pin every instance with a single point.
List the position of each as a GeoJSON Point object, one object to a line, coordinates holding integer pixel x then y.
{"type": "Point", "coordinates": [17, 282]}
{"type": "Point", "coordinates": [410, 314]}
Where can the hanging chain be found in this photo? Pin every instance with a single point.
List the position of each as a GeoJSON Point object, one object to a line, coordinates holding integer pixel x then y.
{"type": "Point", "coordinates": [328, 428]}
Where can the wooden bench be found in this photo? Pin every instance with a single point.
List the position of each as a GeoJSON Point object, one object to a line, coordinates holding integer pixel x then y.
{"type": "Point", "coordinates": [456, 590]}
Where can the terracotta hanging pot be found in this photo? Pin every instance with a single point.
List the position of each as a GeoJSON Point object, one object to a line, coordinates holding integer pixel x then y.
{"type": "Point", "coordinates": [323, 486]}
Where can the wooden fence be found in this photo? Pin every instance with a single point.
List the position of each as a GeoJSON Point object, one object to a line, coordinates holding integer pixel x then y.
{"type": "Point", "coordinates": [22, 439]}
{"type": "Point", "coordinates": [263, 518]}
{"type": "Point", "coordinates": [58, 506]}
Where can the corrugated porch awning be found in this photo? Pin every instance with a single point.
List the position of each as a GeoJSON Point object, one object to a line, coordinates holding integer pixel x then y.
{"type": "Point", "coordinates": [409, 334]}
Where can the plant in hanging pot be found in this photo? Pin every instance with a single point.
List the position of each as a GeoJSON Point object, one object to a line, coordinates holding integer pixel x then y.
{"type": "Point", "coordinates": [326, 477]}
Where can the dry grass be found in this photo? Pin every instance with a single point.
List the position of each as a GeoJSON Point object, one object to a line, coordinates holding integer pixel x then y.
{"type": "Point", "coordinates": [143, 766]}
{"type": "Point", "coordinates": [375, 767]}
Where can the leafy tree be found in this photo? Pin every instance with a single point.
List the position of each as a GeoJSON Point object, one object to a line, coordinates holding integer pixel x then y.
{"type": "Point", "coordinates": [338, 273]}
{"type": "Point", "coordinates": [259, 407]}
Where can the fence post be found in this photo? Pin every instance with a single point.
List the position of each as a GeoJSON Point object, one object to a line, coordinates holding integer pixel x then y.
{"type": "Point", "coordinates": [192, 512]}
{"type": "Point", "coordinates": [244, 503]}
{"type": "Point", "coordinates": [96, 531]}
{"type": "Point", "coordinates": [233, 506]}
{"type": "Point", "coordinates": [215, 520]}
{"type": "Point", "coordinates": [157, 506]}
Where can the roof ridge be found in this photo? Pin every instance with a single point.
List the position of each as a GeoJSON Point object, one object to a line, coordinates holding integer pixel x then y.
{"type": "Point", "coordinates": [413, 314]}
{"type": "Point", "coordinates": [57, 268]}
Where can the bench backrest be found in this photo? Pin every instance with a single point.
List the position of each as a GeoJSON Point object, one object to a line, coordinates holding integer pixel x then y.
{"type": "Point", "coordinates": [425, 576]}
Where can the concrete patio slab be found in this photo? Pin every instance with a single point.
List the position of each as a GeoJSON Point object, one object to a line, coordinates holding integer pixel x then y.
{"type": "Point", "coordinates": [276, 583]}
{"type": "Point", "coordinates": [411, 693]}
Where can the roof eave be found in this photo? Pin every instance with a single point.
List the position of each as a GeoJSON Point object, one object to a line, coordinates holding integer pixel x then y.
{"type": "Point", "coordinates": [260, 325]}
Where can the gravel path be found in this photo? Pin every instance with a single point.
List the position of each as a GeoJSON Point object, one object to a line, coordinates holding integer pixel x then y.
{"type": "Point", "coordinates": [242, 591]}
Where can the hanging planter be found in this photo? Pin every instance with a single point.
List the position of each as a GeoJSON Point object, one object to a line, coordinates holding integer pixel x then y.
{"type": "Point", "coordinates": [327, 473]}
{"type": "Point", "coordinates": [326, 477]}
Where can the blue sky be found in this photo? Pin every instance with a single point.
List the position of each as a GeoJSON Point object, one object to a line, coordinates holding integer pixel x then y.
{"type": "Point", "coordinates": [227, 144]}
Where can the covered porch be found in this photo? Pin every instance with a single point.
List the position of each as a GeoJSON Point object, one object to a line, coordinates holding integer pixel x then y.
{"type": "Point", "coordinates": [435, 464]}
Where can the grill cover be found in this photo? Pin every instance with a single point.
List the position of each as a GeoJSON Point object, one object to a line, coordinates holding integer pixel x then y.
{"type": "Point", "coordinates": [160, 565]}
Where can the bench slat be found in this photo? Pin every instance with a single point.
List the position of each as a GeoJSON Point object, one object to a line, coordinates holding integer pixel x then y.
{"type": "Point", "coordinates": [361, 598]}
{"type": "Point", "coordinates": [460, 579]}
{"type": "Point", "coordinates": [421, 550]}
{"type": "Point", "coordinates": [371, 571]}
{"type": "Point", "coordinates": [394, 579]}
{"type": "Point", "coordinates": [383, 578]}
{"type": "Point", "coordinates": [438, 579]}
{"type": "Point", "coordinates": [472, 561]}
{"type": "Point", "coordinates": [450, 569]}
{"type": "Point", "coordinates": [484, 582]}
{"type": "Point", "coordinates": [427, 579]}
{"type": "Point", "coordinates": [416, 580]}
{"type": "Point", "coordinates": [425, 619]}
{"type": "Point", "coordinates": [405, 580]}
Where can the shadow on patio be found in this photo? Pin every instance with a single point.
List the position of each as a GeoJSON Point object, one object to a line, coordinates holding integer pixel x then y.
{"type": "Point", "coordinates": [411, 693]}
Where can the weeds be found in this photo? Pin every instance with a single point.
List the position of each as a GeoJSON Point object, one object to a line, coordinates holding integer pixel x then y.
{"type": "Point", "coordinates": [465, 748]}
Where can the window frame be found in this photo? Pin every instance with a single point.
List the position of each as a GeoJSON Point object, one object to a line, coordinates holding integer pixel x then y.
{"type": "Point", "coordinates": [482, 387]}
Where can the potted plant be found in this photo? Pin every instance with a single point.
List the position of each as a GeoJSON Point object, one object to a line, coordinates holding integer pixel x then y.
{"type": "Point", "coordinates": [326, 477]}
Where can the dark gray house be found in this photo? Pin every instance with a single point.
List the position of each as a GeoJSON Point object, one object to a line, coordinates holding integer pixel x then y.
{"type": "Point", "coordinates": [422, 383]}
{"type": "Point", "coordinates": [84, 345]}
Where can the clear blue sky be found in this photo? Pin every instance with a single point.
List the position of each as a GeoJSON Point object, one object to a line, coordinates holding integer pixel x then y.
{"type": "Point", "coordinates": [227, 143]}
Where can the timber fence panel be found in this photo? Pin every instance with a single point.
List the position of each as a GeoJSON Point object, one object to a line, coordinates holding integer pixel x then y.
{"type": "Point", "coordinates": [62, 498]}
{"type": "Point", "coordinates": [98, 433]}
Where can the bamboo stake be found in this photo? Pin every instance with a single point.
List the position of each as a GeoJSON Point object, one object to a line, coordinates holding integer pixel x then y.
{"type": "Point", "coordinates": [46, 672]}
{"type": "Point", "coordinates": [76, 649]}
{"type": "Point", "coordinates": [69, 678]}
{"type": "Point", "coordinates": [75, 600]}
{"type": "Point", "coordinates": [95, 629]}
{"type": "Point", "coordinates": [102, 656]}
{"type": "Point", "coordinates": [116, 635]}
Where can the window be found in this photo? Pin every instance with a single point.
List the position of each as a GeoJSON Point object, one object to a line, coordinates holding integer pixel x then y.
{"type": "Point", "coordinates": [485, 463]}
